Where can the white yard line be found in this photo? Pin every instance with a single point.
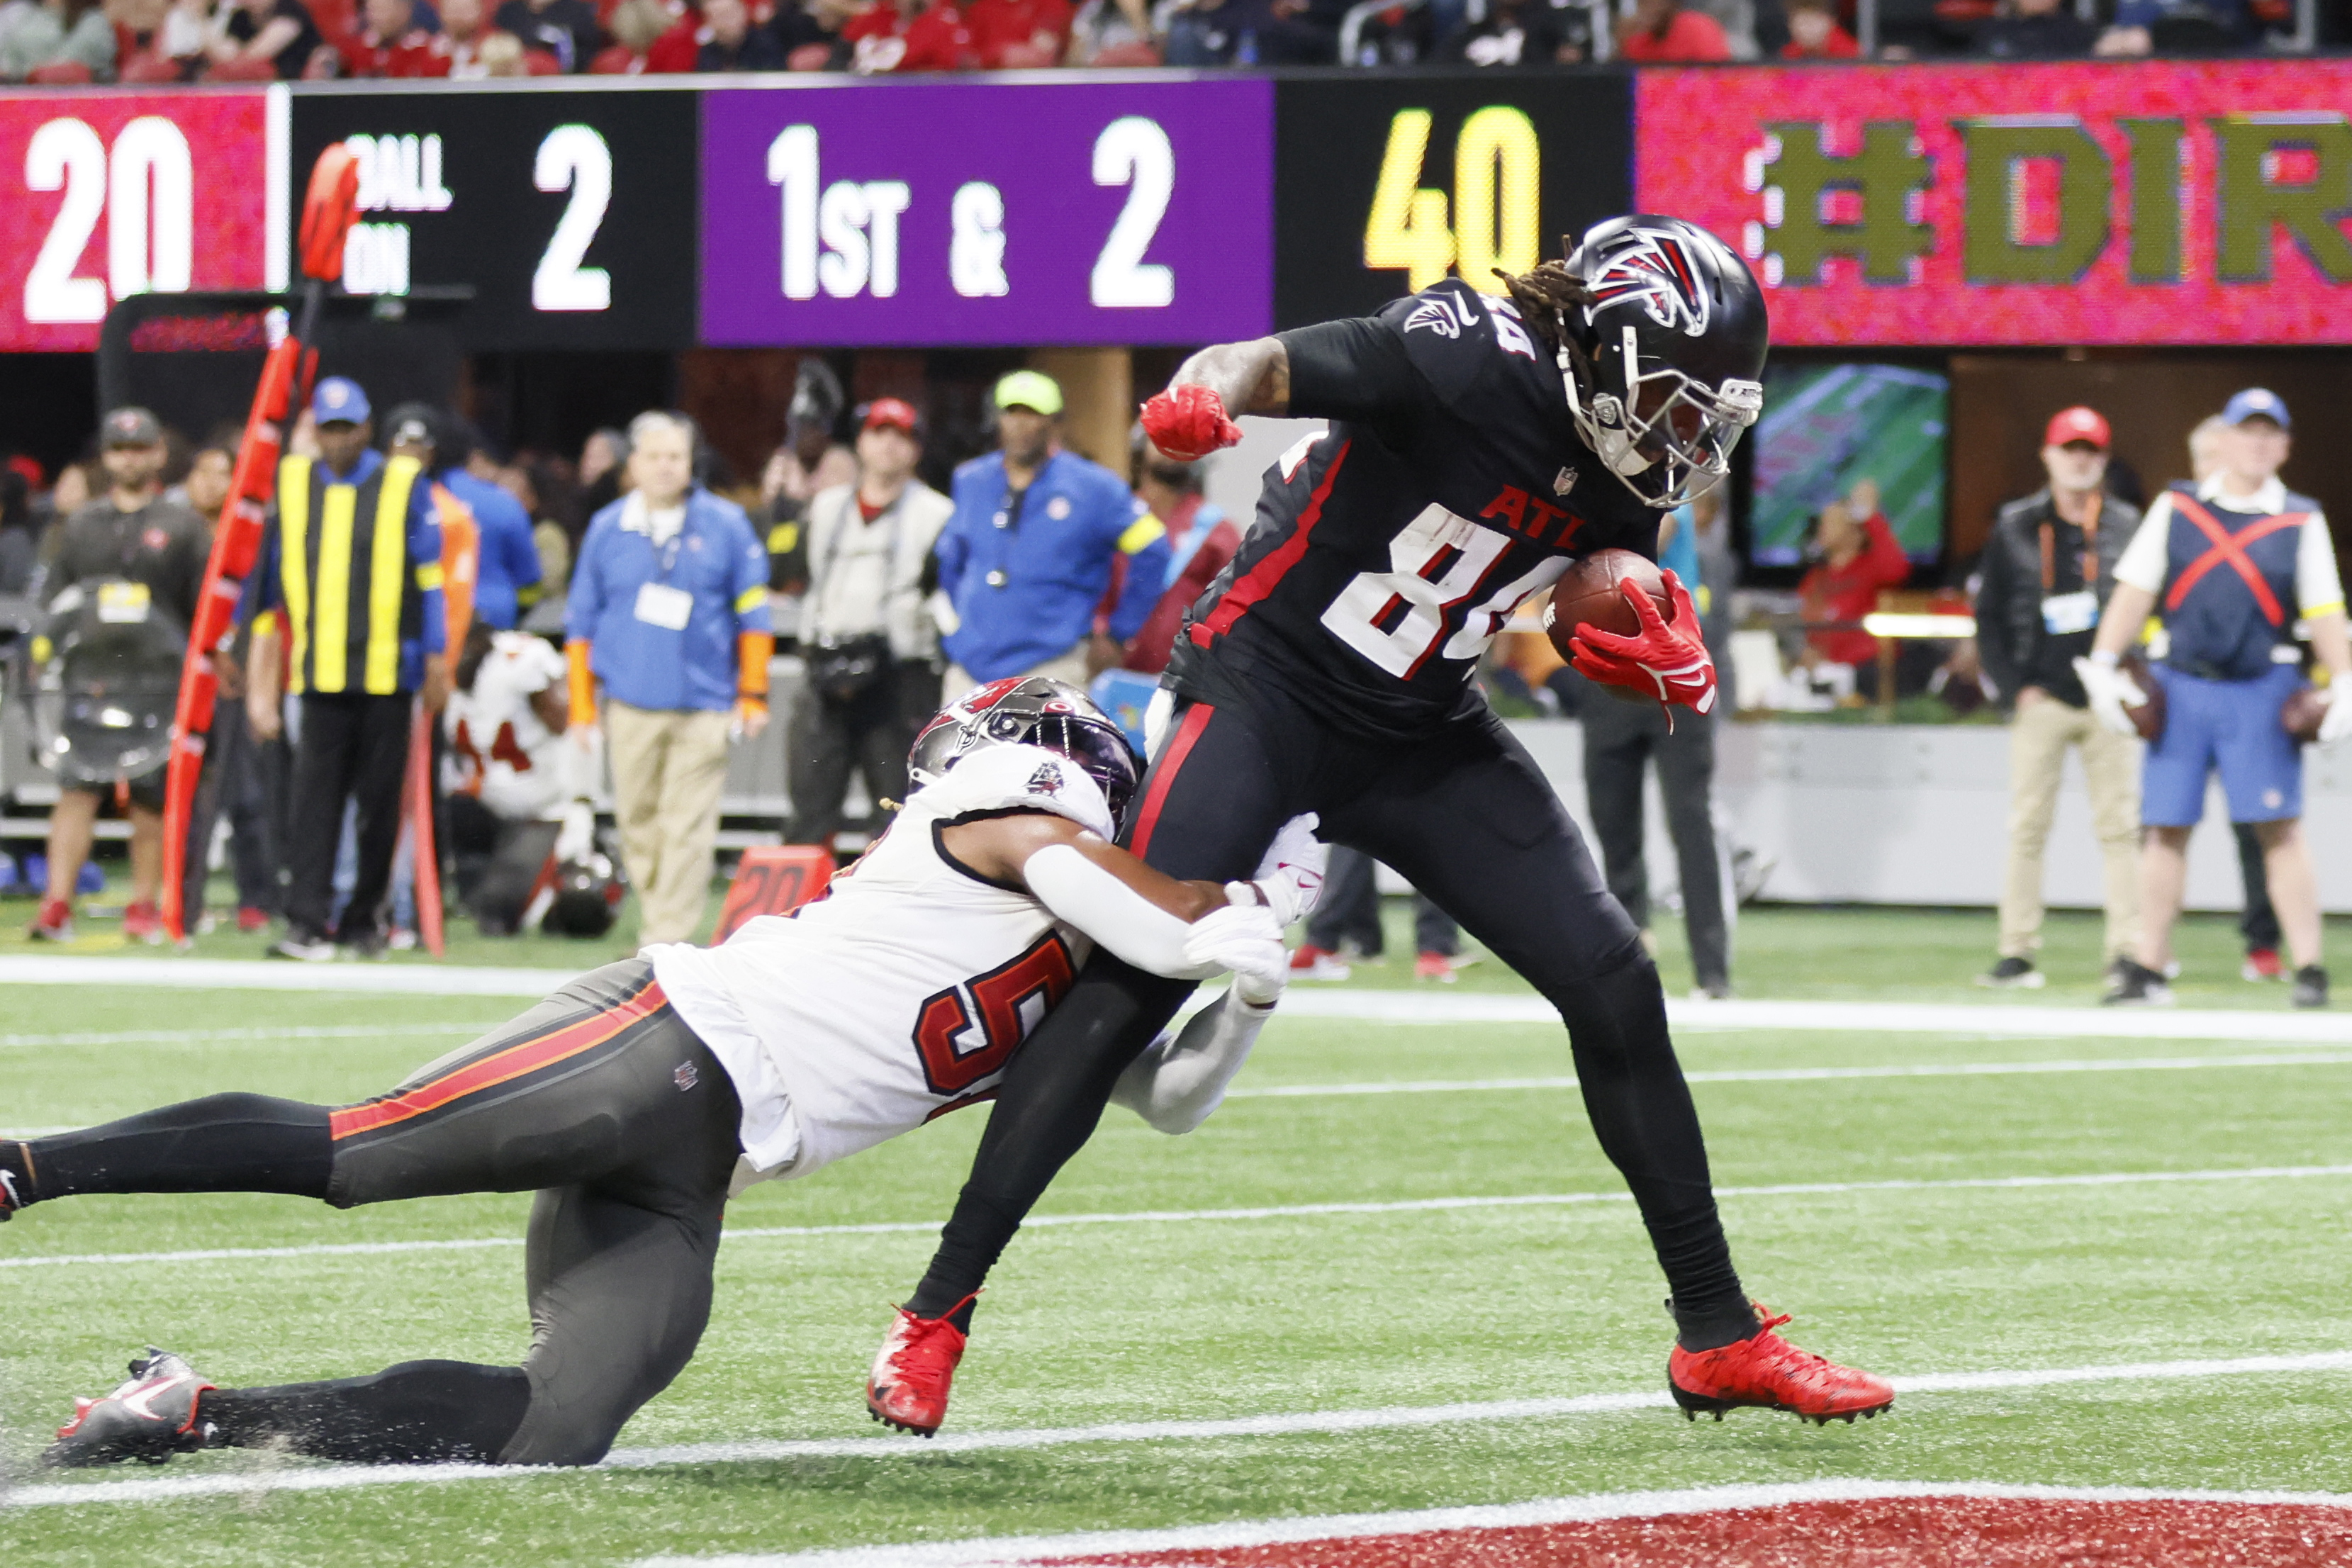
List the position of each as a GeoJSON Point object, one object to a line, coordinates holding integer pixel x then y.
{"type": "Point", "coordinates": [1011, 1552]}
{"type": "Point", "coordinates": [1811, 1075]}
{"type": "Point", "coordinates": [1413, 1007]}
{"type": "Point", "coordinates": [1308, 1423]}
{"type": "Point", "coordinates": [1193, 1216]}
{"type": "Point", "coordinates": [217, 1036]}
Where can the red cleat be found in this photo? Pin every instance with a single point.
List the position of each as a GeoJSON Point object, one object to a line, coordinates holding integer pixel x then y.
{"type": "Point", "coordinates": [908, 1388]}
{"type": "Point", "coordinates": [55, 921]}
{"type": "Point", "coordinates": [249, 919]}
{"type": "Point", "coordinates": [142, 921]}
{"type": "Point", "coordinates": [1771, 1374]}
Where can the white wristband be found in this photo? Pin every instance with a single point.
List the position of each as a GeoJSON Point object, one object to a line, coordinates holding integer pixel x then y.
{"type": "Point", "coordinates": [2105, 660]}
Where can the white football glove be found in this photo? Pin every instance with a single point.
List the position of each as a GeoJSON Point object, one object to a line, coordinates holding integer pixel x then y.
{"type": "Point", "coordinates": [1247, 939]}
{"type": "Point", "coordinates": [577, 840]}
{"type": "Point", "coordinates": [2109, 689]}
{"type": "Point", "coordinates": [2339, 723]}
{"type": "Point", "coordinates": [1289, 880]}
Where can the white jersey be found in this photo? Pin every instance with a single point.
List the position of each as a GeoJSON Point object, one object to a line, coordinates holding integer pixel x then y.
{"type": "Point", "coordinates": [498, 749]}
{"type": "Point", "coordinates": [901, 992]}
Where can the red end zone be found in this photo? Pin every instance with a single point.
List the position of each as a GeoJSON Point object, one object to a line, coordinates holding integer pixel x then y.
{"type": "Point", "coordinates": [1883, 1533]}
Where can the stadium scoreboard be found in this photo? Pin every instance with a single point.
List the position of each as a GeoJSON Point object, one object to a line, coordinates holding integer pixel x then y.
{"type": "Point", "coordinates": [2148, 203]}
{"type": "Point", "coordinates": [570, 216]}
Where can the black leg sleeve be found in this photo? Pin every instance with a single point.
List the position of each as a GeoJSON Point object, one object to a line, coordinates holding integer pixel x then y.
{"type": "Point", "coordinates": [1210, 805]}
{"type": "Point", "coordinates": [222, 1143]}
{"type": "Point", "coordinates": [1470, 821]}
{"type": "Point", "coordinates": [1047, 1105]}
{"type": "Point", "coordinates": [420, 1412]}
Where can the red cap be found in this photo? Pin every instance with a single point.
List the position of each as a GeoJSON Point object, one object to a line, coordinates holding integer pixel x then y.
{"type": "Point", "coordinates": [890, 413]}
{"type": "Point", "coordinates": [2077, 424]}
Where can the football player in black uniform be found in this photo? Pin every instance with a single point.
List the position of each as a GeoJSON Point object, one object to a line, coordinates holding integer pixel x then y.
{"type": "Point", "coordinates": [1478, 445]}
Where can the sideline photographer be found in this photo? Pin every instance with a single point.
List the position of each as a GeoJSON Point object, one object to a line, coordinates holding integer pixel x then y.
{"type": "Point", "coordinates": [872, 649]}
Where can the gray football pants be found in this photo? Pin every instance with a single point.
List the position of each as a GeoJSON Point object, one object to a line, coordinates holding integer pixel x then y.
{"type": "Point", "coordinates": [606, 1104]}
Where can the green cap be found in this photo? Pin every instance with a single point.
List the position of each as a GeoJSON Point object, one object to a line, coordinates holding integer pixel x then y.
{"type": "Point", "coordinates": [1030, 389]}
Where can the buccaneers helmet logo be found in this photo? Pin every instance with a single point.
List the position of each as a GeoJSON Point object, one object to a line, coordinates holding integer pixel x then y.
{"type": "Point", "coordinates": [1654, 271]}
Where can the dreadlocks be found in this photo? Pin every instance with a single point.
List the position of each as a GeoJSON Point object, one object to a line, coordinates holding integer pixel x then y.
{"type": "Point", "coordinates": [1544, 298]}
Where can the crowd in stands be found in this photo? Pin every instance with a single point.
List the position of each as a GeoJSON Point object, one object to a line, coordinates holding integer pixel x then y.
{"type": "Point", "coordinates": [162, 41]}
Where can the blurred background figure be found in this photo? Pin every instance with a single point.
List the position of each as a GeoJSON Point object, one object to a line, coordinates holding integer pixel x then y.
{"type": "Point", "coordinates": [1856, 555]}
{"type": "Point", "coordinates": [809, 460]}
{"type": "Point", "coordinates": [1622, 741]}
{"type": "Point", "coordinates": [129, 557]}
{"type": "Point", "coordinates": [2229, 665]}
{"type": "Point", "coordinates": [1201, 540]}
{"type": "Point", "coordinates": [1027, 555]}
{"type": "Point", "coordinates": [870, 644]}
{"type": "Point", "coordinates": [2049, 566]}
{"type": "Point", "coordinates": [1346, 925]}
{"type": "Point", "coordinates": [668, 612]}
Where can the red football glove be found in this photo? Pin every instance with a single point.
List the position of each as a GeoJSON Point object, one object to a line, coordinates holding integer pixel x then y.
{"type": "Point", "coordinates": [1187, 423]}
{"type": "Point", "coordinates": [1667, 659]}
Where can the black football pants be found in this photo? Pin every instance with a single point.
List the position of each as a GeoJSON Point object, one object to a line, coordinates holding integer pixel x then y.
{"type": "Point", "coordinates": [351, 748]}
{"type": "Point", "coordinates": [600, 1099]}
{"type": "Point", "coordinates": [1466, 818]}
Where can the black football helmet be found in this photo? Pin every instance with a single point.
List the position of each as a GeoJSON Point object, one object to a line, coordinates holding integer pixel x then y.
{"type": "Point", "coordinates": [1029, 710]}
{"type": "Point", "coordinates": [1662, 363]}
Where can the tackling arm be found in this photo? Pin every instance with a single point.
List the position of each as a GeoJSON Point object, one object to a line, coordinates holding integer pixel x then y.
{"type": "Point", "coordinates": [1180, 1078]}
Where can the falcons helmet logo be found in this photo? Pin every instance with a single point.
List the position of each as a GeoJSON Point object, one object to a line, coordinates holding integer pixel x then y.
{"type": "Point", "coordinates": [1653, 269]}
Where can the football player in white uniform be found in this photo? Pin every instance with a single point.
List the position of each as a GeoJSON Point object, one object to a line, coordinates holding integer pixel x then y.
{"type": "Point", "coordinates": [503, 721]}
{"type": "Point", "coordinates": [634, 1099]}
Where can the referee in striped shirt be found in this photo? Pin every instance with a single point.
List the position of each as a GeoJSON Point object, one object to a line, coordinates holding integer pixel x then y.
{"type": "Point", "coordinates": [349, 579]}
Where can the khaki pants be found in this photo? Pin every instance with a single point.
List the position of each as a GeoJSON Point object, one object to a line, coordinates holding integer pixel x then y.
{"type": "Point", "coordinates": [1070, 666]}
{"type": "Point", "coordinates": [668, 768]}
{"type": "Point", "coordinates": [2038, 740]}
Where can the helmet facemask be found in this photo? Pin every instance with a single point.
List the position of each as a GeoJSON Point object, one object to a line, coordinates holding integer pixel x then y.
{"type": "Point", "coordinates": [1666, 435]}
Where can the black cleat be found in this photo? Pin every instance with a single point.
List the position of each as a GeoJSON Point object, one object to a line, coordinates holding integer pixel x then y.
{"type": "Point", "coordinates": [2136, 985]}
{"type": "Point", "coordinates": [149, 1418]}
{"type": "Point", "coordinates": [2310, 986]}
{"type": "Point", "coordinates": [2011, 974]}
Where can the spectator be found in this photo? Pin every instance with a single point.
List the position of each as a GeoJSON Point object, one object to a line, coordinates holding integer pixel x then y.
{"type": "Point", "coordinates": [503, 56]}
{"type": "Point", "coordinates": [1814, 33]}
{"type": "Point", "coordinates": [2236, 561]}
{"type": "Point", "coordinates": [2178, 27]}
{"type": "Point", "coordinates": [1255, 32]}
{"type": "Point", "coordinates": [811, 33]}
{"type": "Point", "coordinates": [926, 36]}
{"type": "Point", "coordinates": [1113, 33]}
{"type": "Point", "coordinates": [358, 690]}
{"type": "Point", "coordinates": [567, 29]}
{"type": "Point", "coordinates": [2036, 30]}
{"type": "Point", "coordinates": [1854, 560]}
{"type": "Point", "coordinates": [872, 650]}
{"type": "Point", "coordinates": [2048, 568]}
{"type": "Point", "coordinates": [392, 41]}
{"type": "Point", "coordinates": [507, 568]}
{"type": "Point", "coordinates": [810, 460]}
{"type": "Point", "coordinates": [204, 491]}
{"type": "Point", "coordinates": [147, 554]}
{"type": "Point", "coordinates": [1201, 540]}
{"type": "Point", "coordinates": [1012, 35]}
{"type": "Point", "coordinates": [1663, 32]}
{"type": "Point", "coordinates": [603, 464]}
{"type": "Point", "coordinates": [18, 550]}
{"type": "Point", "coordinates": [1028, 554]}
{"type": "Point", "coordinates": [463, 32]}
{"type": "Point", "coordinates": [36, 32]}
{"type": "Point", "coordinates": [278, 37]}
{"type": "Point", "coordinates": [669, 611]}
{"type": "Point", "coordinates": [1522, 33]}
{"type": "Point", "coordinates": [1622, 740]}
{"type": "Point", "coordinates": [729, 42]}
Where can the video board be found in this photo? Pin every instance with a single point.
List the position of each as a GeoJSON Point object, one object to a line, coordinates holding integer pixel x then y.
{"type": "Point", "coordinates": [967, 213]}
{"type": "Point", "coordinates": [2161, 202]}
{"type": "Point", "coordinates": [107, 194]}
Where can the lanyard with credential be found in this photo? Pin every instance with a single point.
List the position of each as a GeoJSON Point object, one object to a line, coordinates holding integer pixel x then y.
{"type": "Point", "coordinates": [2090, 546]}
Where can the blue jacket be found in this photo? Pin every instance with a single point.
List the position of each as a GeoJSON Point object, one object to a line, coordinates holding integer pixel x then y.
{"type": "Point", "coordinates": [716, 557]}
{"type": "Point", "coordinates": [1024, 588]}
{"type": "Point", "coordinates": [509, 563]}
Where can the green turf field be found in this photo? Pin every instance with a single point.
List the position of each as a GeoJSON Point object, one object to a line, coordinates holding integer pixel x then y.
{"type": "Point", "coordinates": [1906, 1257]}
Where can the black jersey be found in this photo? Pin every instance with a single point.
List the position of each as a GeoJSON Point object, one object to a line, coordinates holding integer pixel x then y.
{"type": "Point", "coordinates": [1389, 549]}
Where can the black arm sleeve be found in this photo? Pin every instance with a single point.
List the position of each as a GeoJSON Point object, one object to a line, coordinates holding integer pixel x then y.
{"type": "Point", "coordinates": [1352, 369]}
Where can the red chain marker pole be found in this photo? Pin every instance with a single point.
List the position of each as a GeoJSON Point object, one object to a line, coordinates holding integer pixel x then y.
{"type": "Point", "coordinates": [327, 210]}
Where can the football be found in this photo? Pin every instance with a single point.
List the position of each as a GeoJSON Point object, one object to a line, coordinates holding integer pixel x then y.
{"type": "Point", "coordinates": [2304, 710]}
{"type": "Point", "coordinates": [1587, 596]}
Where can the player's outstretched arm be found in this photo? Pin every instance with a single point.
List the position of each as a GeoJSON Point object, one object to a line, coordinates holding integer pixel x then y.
{"type": "Point", "coordinates": [1144, 916]}
{"type": "Point", "coordinates": [1182, 1077]}
{"type": "Point", "coordinates": [1194, 416]}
